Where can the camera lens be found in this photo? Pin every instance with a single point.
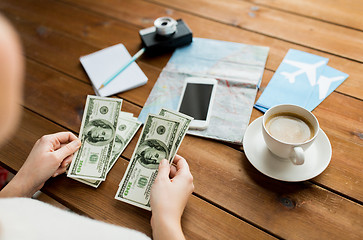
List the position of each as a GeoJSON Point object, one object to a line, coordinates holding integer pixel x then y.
{"type": "Point", "coordinates": [165, 26]}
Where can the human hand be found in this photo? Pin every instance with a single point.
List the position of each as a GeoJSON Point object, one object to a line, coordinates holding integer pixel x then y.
{"type": "Point", "coordinates": [169, 197]}
{"type": "Point", "coordinates": [50, 156]}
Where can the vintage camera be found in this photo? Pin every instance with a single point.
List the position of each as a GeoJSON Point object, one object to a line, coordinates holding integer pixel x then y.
{"type": "Point", "coordinates": [166, 34]}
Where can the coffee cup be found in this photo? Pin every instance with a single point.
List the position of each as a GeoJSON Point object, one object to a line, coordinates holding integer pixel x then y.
{"type": "Point", "coordinates": [289, 130]}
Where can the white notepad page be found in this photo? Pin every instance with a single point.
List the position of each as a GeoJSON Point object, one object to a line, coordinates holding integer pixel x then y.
{"type": "Point", "coordinates": [102, 65]}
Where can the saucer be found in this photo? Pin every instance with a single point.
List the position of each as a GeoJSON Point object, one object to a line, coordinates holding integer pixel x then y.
{"type": "Point", "coordinates": [317, 157]}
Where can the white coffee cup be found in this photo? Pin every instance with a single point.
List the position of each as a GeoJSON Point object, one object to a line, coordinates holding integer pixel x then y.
{"type": "Point", "coordinates": [294, 151]}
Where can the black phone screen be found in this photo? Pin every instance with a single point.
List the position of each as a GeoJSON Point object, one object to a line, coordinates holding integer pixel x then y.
{"type": "Point", "coordinates": [196, 99]}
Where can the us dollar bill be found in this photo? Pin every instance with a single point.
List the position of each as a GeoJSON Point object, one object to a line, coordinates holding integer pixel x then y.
{"type": "Point", "coordinates": [156, 142]}
{"type": "Point", "coordinates": [182, 130]}
{"type": "Point", "coordinates": [89, 182]}
{"type": "Point", "coordinates": [126, 129]}
{"type": "Point", "coordinates": [97, 134]}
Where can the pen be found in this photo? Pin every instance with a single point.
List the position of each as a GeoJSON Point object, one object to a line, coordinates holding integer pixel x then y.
{"type": "Point", "coordinates": [136, 56]}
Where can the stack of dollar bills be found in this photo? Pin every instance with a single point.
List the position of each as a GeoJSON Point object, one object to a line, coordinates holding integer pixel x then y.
{"type": "Point", "coordinates": [160, 139]}
{"type": "Point", "coordinates": [105, 133]}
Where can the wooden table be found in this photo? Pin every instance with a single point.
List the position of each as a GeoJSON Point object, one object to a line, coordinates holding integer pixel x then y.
{"type": "Point", "coordinates": [232, 200]}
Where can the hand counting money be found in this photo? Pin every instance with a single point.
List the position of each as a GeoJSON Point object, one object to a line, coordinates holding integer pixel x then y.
{"type": "Point", "coordinates": [127, 127]}
{"type": "Point", "coordinates": [106, 131]}
{"type": "Point", "coordinates": [160, 139]}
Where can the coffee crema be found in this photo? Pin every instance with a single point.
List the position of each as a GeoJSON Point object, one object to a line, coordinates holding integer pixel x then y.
{"type": "Point", "coordinates": [289, 127]}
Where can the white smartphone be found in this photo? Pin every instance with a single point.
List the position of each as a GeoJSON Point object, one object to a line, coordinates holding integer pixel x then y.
{"type": "Point", "coordinates": [197, 100]}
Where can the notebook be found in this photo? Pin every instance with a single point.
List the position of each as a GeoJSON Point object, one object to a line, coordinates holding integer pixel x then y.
{"type": "Point", "coordinates": [103, 64]}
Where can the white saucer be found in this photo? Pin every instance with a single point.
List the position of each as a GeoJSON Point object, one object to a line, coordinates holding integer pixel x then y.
{"type": "Point", "coordinates": [317, 157]}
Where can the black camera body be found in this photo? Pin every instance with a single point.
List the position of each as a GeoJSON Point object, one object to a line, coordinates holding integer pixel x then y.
{"type": "Point", "coordinates": [166, 35]}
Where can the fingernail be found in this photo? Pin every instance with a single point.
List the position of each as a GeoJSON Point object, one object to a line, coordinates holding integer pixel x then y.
{"type": "Point", "coordinates": [55, 174]}
{"type": "Point", "coordinates": [164, 162]}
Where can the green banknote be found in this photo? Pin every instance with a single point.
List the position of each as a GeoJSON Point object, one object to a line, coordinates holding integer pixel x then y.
{"type": "Point", "coordinates": [126, 130]}
{"type": "Point", "coordinates": [155, 143]}
{"type": "Point", "coordinates": [97, 134]}
{"type": "Point", "coordinates": [92, 183]}
{"type": "Point", "coordinates": [135, 186]}
{"type": "Point", "coordinates": [182, 130]}
{"type": "Point", "coordinates": [127, 127]}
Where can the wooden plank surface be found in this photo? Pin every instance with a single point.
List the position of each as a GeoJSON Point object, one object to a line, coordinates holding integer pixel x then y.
{"type": "Point", "coordinates": [101, 205]}
{"type": "Point", "coordinates": [283, 25]}
{"type": "Point", "coordinates": [346, 130]}
{"type": "Point", "coordinates": [54, 41]}
{"type": "Point", "coordinates": [100, 31]}
{"type": "Point", "coordinates": [231, 198]}
{"type": "Point", "coordinates": [205, 28]}
{"type": "Point", "coordinates": [234, 174]}
{"type": "Point", "coordinates": [347, 13]}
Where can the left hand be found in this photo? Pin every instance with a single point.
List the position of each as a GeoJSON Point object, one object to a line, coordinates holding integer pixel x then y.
{"type": "Point", "coordinates": [49, 157]}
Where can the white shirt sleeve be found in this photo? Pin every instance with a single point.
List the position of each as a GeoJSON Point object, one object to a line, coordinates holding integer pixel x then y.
{"type": "Point", "coordinates": [24, 218]}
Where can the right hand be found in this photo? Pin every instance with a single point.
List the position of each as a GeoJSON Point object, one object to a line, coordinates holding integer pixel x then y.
{"type": "Point", "coordinates": [169, 196]}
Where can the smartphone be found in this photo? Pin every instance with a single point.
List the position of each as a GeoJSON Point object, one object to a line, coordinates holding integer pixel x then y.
{"type": "Point", "coordinates": [197, 100]}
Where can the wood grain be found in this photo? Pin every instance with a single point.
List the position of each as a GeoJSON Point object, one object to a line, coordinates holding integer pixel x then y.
{"type": "Point", "coordinates": [206, 28]}
{"type": "Point", "coordinates": [78, 46]}
{"type": "Point", "coordinates": [231, 199]}
{"type": "Point", "coordinates": [308, 32]}
{"type": "Point", "coordinates": [72, 94]}
{"type": "Point", "coordinates": [325, 10]}
{"type": "Point", "coordinates": [235, 171]}
{"type": "Point", "coordinates": [100, 203]}
{"type": "Point", "coordinates": [104, 31]}
{"type": "Point", "coordinates": [138, 96]}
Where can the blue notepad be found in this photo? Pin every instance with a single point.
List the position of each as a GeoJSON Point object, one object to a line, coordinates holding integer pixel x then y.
{"type": "Point", "coordinates": [302, 79]}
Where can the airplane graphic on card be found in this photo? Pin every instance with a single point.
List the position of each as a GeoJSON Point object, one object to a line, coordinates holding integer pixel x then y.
{"type": "Point", "coordinates": [308, 69]}
{"type": "Point", "coordinates": [324, 84]}
{"type": "Point", "coordinates": [303, 79]}
{"type": "Point", "coordinates": [327, 82]}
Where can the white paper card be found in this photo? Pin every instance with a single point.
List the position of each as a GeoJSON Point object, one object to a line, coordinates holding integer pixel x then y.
{"type": "Point", "coordinates": [102, 65]}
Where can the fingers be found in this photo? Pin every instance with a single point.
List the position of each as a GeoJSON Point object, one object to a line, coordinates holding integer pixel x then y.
{"type": "Point", "coordinates": [181, 164]}
{"type": "Point", "coordinates": [177, 158]}
{"type": "Point", "coordinates": [172, 171]}
{"type": "Point", "coordinates": [64, 137]}
{"type": "Point", "coordinates": [56, 140]}
{"type": "Point", "coordinates": [164, 169]}
{"type": "Point", "coordinates": [67, 161]}
{"type": "Point", "coordinates": [59, 171]}
{"type": "Point", "coordinates": [68, 149]}
{"type": "Point", "coordinates": [182, 172]}
{"type": "Point", "coordinates": [63, 167]}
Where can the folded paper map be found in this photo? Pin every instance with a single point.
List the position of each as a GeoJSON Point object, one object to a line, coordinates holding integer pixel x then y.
{"type": "Point", "coordinates": [238, 69]}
